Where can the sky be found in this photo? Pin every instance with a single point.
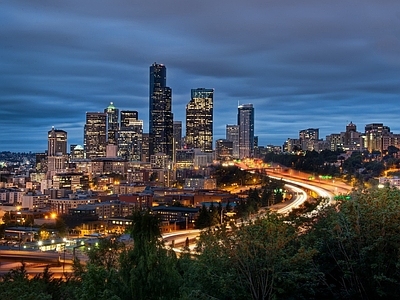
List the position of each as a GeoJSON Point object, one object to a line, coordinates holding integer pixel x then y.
{"type": "Point", "coordinates": [302, 64]}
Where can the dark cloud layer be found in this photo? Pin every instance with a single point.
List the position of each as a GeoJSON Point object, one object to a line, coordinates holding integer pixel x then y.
{"type": "Point", "coordinates": [301, 63]}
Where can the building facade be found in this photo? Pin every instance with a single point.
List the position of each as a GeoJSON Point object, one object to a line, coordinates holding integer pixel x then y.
{"type": "Point", "coordinates": [199, 120]}
{"type": "Point", "coordinates": [130, 136]}
{"type": "Point", "coordinates": [160, 112]}
{"type": "Point", "coordinates": [232, 134]}
{"type": "Point", "coordinates": [309, 138]}
{"type": "Point", "coordinates": [112, 123]}
{"type": "Point", "coordinates": [57, 142]}
{"type": "Point", "coordinates": [374, 135]}
{"type": "Point", "coordinates": [223, 150]}
{"type": "Point", "coordinates": [177, 135]}
{"type": "Point", "coordinates": [95, 135]}
{"type": "Point", "coordinates": [246, 130]}
{"type": "Point", "coordinates": [57, 151]}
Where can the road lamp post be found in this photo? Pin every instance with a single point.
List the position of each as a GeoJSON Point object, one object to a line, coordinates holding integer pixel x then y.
{"type": "Point", "coordinates": [64, 250]}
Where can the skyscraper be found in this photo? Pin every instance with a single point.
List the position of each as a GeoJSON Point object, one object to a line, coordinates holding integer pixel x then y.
{"type": "Point", "coordinates": [223, 149]}
{"type": "Point", "coordinates": [56, 151]}
{"type": "Point", "coordinates": [177, 135]}
{"type": "Point", "coordinates": [112, 123]}
{"type": "Point", "coordinates": [127, 117]}
{"type": "Point", "coordinates": [130, 136]}
{"type": "Point", "coordinates": [246, 130]}
{"type": "Point", "coordinates": [57, 142]}
{"type": "Point", "coordinates": [199, 119]}
{"type": "Point", "coordinates": [95, 135]}
{"type": "Point", "coordinates": [232, 134]}
{"type": "Point", "coordinates": [160, 112]}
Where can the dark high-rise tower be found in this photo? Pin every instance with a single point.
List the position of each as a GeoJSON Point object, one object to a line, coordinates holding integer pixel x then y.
{"type": "Point", "coordinates": [112, 123]}
{"type": "Point", "coordinates": [127, 117]}
{"type": "Point", "coordinates": [160, 112]}
{"type": "Point", "coordinates": [57, 142]}
{"type": "Point", "coordinates": [57, 151]}
{"type": "Point", "coordinates": [95, 140]}
{"type": "Point", "coordinates": [199, 119]}
{"type": "Point", "coordinates": [178, 135]}
{"type": "Point", "coordinates": [246, 130]}
{"type": "Point", "coordinates": [232, 134]}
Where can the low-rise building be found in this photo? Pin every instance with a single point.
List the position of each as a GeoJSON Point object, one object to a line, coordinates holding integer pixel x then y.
{"type": "Point", "coordinates": [392, 181]}
{"type": "Point", "coordinates": [184, 216]}
{"type": "Point", "coordinates": [34, 201]}
{"type": "Point", "coordinates": [63, 205]}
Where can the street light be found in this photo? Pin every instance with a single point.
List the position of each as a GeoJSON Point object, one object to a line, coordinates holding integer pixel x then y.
{"type": "Point", "coordinates": [64, 247]}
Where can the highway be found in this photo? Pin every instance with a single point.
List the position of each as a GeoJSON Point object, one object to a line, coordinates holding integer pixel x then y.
{"type": "Point", "coordinates": [294, 181]}
{"type": "Point", "coordinates": [299, 198]}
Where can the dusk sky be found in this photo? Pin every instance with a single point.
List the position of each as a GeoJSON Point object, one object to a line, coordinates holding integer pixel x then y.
{"type": "Point", "coordinates": [302, 64]}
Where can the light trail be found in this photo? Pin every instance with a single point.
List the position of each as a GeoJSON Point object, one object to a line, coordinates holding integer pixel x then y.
{"type": "Point", "coordinates": [299, 200]}
{"type": "Point", "coordinates": [320, 191]}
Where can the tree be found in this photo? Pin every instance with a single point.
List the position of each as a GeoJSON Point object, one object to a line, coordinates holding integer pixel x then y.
{"type": "Point", "coordinates": [211, 275]}
{"type": "Point", "coordinates": [7, 218]}
{"type": "Point", "coordinates": [61, 227]}
{"type": "Point", "coordinates": [98, 284]}
{"type": "Point", "coordinates": [270, 261]}
{"type": "Point", "coordinates": [106, 253]}
{"type": "Point", "coordinates": [148, 271]}
{"type": "Point", "coordinates": [203, 219]}
{"type": "Point", "coordinates": [16, 285]}
{"type": "Point", "coordinates": [359, 246]}
{"type": "Point", "coordinates": [264, 260]}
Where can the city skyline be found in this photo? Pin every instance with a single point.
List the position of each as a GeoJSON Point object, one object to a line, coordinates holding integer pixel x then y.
{"type": "Point", "coordinates": [302, 65]}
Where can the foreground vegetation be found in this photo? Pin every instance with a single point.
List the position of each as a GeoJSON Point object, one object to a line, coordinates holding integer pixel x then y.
{"type": "Point", "coordinates": [349, 251]}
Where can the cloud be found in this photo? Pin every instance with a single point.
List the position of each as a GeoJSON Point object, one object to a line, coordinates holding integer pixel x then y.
{"type": "Point", "coordinates": [302, 64]}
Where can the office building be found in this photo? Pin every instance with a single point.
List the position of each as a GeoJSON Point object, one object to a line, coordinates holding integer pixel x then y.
{"type": "Point", "coordinates": [130, 136]}
{"type": "Point", "coordinates": [95, 135]}
{"type": "Point", "coordinates": [160, 112]}
{"type": "Point", "coordinates": [352, 138]}
{"type": "Point", "coordinates": [232, 134]}
{"type": "Point", "coordinates": [223, 150]}
{"type": "Point", "coordinates": [199, 120]}
{"type": "Point", "coordinates": [309, 139]}
{"type": "Point", "coordinates": [246, 130]}
{"type": "Point", "coordinates": [57, 142]}
{"type": "Point", "coordinates": [374, 134]}
{"type": "Point", "coordinates": [56, 152]}
{"type": "Point", "coordinates": [41, 162]}
{"type": "Point", "coordinates": [128, 117]}
{"type": "Point", "coordinates": [334, 141]}
{"type": "Point", "coordinates": [177, 135]}
{"type": "Point", "coordinates": [77, 152]}
{"type": "Point", "coordinates": [145, 147]}
{"type": "Point", "coordinates": [112, 123]}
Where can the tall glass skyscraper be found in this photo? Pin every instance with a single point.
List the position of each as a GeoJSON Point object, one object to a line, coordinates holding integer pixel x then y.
{"type": "Point", "coordinates": [160, 112]}
{"type": "Point", "coordinates": [130, 136]}
{"type": "Point", "coordinates": [199, 119]}
{"type": "Point", "coordinates": [246, 130]}
{"type": "Point", "coordinates": [95, 135]}
{"type": "Point", "coordinates": [232, 134]}
{"type": "Point", "coordinates": [112, 123]}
